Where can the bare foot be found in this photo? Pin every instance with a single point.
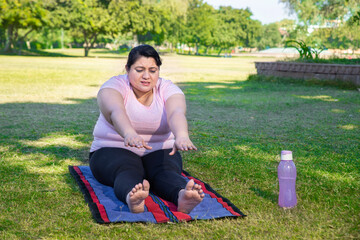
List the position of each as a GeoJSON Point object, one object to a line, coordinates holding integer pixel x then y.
{"type": "Point", "coordinates": [190, 197]}
{"type": "Point", "coordinates": [136, 197]}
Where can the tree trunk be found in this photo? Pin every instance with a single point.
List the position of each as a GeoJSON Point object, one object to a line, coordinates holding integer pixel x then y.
{"type": "Point", "coordinates": [220, 52]}
{"type": "Point", "coordinates": [9, 38]}
{"type": "Point", "coordinates": [93, 41]}
{"type": "Point", "coordinates": [86, 51]}
{"type": "Point", "coordinates": [86, 43]}
{"type": "Point", "coordinates": [21, 41]}
{"type": "Point", "coordinates": [62, 38]}
{"type": "Point", "coordinates": [20, 44]}
{"type": "Point", "coordinates": [89, 43]}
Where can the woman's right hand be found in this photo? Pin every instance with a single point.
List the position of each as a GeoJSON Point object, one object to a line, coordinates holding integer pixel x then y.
{"type": "Point", "coordinates": [134, 140]}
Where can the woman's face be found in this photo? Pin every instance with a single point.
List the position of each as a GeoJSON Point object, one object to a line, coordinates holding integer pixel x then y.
{"type": "Point", "coordinates": [143, 74]}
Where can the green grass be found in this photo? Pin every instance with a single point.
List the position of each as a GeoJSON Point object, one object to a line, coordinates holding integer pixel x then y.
{"type": "Point", "coordinates": [351, 60]}
{"type": "Point", "coordinates": [48, 110]}
{"type": "Point", "coordinates": [68, 52]}
{"type": "Point", "coordinates": [306, 82]}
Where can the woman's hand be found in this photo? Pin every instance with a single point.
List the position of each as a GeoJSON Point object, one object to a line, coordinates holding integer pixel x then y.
{"type": "Point", "coordinates": [134, 140]}
{"type": "Point", "coordinates": [183, 144]}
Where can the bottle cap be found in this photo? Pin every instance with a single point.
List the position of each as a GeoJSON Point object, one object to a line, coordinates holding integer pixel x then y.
{"type": "Point", "coordinates": [286, 155]}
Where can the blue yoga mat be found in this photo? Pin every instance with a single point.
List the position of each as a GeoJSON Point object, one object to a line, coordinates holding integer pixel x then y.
{"type": "Point", "coordinates": [106, 208]}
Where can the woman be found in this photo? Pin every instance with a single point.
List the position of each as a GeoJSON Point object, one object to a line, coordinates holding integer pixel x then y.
{"type": "Point", "coordinates": [141, 126]}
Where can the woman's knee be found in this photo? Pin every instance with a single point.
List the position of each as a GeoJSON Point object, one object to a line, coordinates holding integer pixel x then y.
{"type": "Point", "coordinates": [160, 163]}
{"type": "Point", "coordinates": [107, 163]}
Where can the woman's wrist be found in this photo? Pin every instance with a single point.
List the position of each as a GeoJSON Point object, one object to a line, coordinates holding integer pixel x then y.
{"type": "Point", "coordinates": [181, 135]}
{"type": "Point", "coordinates": [129, 133]}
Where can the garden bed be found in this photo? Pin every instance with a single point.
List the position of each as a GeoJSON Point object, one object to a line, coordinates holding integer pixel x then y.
{"type": "Point", "coordinates": [340, 72]}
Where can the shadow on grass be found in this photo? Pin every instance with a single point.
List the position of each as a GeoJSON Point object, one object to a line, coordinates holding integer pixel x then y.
{"type": "Point", "coordinates": [264, 194]}
{"type": "Point", "coordinates": [36, 140]}
{"type": "Point", "coordinates": [57, 131]}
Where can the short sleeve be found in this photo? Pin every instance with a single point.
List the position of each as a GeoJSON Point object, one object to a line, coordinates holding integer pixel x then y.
{"type": "Point", "coordinates": [167, 88]}
{"type": "Point", "coordinates": [119, 83]}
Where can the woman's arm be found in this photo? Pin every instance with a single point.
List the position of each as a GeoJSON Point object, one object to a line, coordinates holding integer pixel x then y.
{"type": "Point", "coordinates": [111, 104]}
{"type": "Point", "coordinates": [175, 110]}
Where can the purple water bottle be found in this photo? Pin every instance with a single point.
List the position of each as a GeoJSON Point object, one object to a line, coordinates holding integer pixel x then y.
{"type": "Point", "coordinates": [287, 179]}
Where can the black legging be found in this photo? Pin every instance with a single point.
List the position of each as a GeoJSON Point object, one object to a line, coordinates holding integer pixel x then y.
{"type": "Point", "coordinates": [122, 169]}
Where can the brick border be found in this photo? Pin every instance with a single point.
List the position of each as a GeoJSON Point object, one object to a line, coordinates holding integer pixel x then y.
{"type": "Point", "coordinates": [342, 72]}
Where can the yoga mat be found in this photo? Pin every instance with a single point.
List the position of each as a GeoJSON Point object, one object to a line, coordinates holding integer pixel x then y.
{"type": "Point", "coordinates": [106, 208]}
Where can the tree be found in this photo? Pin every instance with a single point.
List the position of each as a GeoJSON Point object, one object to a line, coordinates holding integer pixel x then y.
{"type": "Point", "coordinates": [344, 37]}
{"type": "Point", "coordinates": [175, 24]}
{"type": "Point", "coordinates": [199, 24]}
{"type": "Point", "coordinates": [331, 17]}
{"type": "Point", "coordinates": [270, 36]}
{"type": "Point", "coordinates": [229, 30]}
{"type": "Point", "coordinates": [252, 28]}
{"type": "Point", "coordinates": [90, 18]}
{"type": "Point", "coordinates": [317, 11]}
{"type": "Point", "coordinates": [144, 19]}
{"type": "Point", "coordinates": [287, 29]}
{"type": "Point", "coordinates": [20, 18]}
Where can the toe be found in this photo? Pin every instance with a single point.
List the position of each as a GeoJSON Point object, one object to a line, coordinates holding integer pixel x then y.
{"type": "Point", "coordinates": [190, 185]}
{"type": "Point", "coordinates": [146, 185]}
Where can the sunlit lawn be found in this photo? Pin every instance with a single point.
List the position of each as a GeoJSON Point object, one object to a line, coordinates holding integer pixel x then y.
{"type": "Point", "coordinates": [48, 110]}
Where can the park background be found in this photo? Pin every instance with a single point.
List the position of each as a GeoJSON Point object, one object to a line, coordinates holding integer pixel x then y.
{"type": "Point", "coordinates": [191, 26]}
{"type": "Point", "coordinates": [240, 121]}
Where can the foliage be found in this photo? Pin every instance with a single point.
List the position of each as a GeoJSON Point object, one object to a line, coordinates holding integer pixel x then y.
{"type": "Point", "coordinates": [272, 39]}
{"type": "Point", "coordinates": [355, 19]}
{"type": "Point", "coordinates": [336, 22]}
{"type": "Point", "coordinates": [343, 37]}
{"type": "Point", "coordinates": [18, 15]}
{"type": "Point", "coordinates": [145, 20]}
{"type": "Point", "coordinates": [172, 23]}
{"type": "Point", "coordinates": [253, 29]}
{"type": "Point", "coordinates": [289, 29]}
{"type": "Point", "coordinates": [199, 24]}
{"type": "Point", "coordinates": [194, 23]}
{"type": "Point", "coordinates": [318, 11]}
{"type": "Point", "coordinates": [173, 20]}
{"type": "Point", "coordinates": [228, 31]}
{"type": "Point", "coordinates": [89, 18]}
{"type": "Point", "coordinates": [305, 51]}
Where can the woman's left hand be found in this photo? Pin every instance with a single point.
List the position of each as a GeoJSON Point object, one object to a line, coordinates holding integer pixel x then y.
{"type": "Point", "coordinates": [182, 144]}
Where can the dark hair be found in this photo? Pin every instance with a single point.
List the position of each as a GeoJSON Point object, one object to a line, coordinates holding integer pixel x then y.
{"type": "Point", "coordinates": [142, 51]}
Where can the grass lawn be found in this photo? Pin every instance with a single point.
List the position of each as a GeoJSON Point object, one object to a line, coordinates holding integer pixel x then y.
{"type": "Point", "coordinates": [48, 110]}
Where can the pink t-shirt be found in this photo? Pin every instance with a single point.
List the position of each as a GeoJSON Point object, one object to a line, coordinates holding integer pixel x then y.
{"type": "Point", "coordinates": [150, 122]}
